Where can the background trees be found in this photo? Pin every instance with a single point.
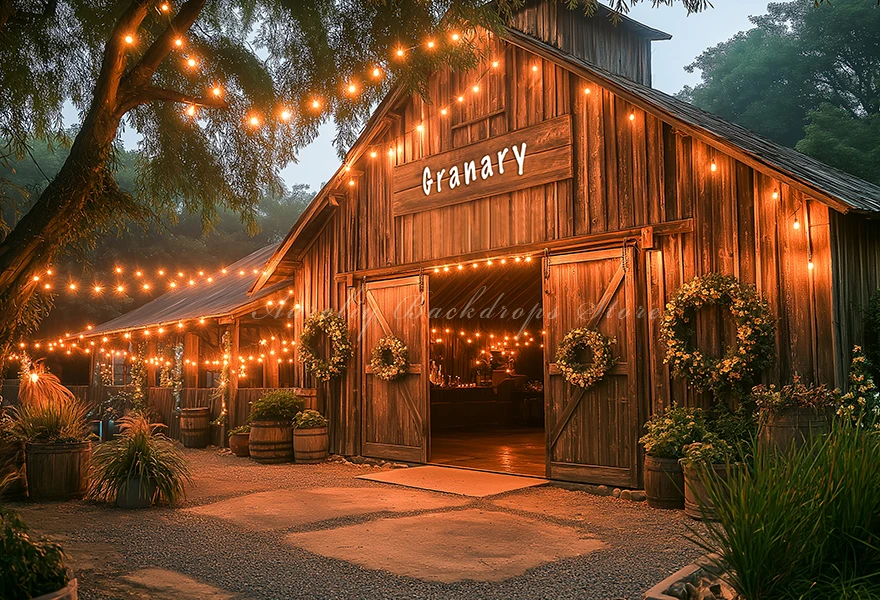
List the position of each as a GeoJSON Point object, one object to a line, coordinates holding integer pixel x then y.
{"type": "Point", "coordinates": [805, 76]}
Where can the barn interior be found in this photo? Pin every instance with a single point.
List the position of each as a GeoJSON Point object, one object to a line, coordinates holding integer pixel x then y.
{"type": "Point", "coordinates": [487, 367]}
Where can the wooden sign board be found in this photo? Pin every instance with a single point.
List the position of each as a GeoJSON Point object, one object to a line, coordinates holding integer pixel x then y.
{"type": "Point", "coordinates": [514, 161]}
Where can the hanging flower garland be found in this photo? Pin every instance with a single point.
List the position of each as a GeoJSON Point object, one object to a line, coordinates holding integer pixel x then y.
{"type": "Point", "coordinates": [336, 329]}
{"type": "Point", "coordinates": [584, 375]}
{"type": "Point", "coordinates": [754, 345]}
{"type": "Point", "coordinates": [390, 358]}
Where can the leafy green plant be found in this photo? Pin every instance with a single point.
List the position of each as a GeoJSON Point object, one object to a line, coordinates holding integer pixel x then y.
{"type": "Point", "coordinates": [670, 432]}
{"type": "Point", "coordinates": [711, 450]}
{"type": "Point", "coordinates": [794, 395]}
{"type": "Point", "coordinates": [872, 335]}
{"type": "Point", "coordinates": [803, 524]}
{"type": "Point", "coordinates": [309, 419]}
{"type": "Point", "coordinates": [861, 403]}
{"type": "Point", "coordinates": [139, 453]}
{"type": "Point", "coordinates": [240, 429]}
{"type": "Point", "coordinates": [28, 567]}
{"type": "Point", "coordinates": [277, 405]}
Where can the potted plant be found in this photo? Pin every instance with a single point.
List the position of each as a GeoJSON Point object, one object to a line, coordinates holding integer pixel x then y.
{"type": "Point", "coordinates": [668, 434]}
{"type": "Point", "coordinates": [792, 415]}
{"type": "Point", "coordinates": [310, 439]}
{"type": "Point", "coordinates": [238, 440]}
{"type": "Point", "coordinates": [31, 568]}
{"type": "Point", "coordinates": [51, 424]}
{"type": "Point", "coordinates": [271, 418]}
{"type": "Point", "coordinates": [711, 457]}
{"type": "Point", "coordinates": [139, 467]}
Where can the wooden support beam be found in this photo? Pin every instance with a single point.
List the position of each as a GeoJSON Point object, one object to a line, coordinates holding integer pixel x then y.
{"type": "Point", "coordinates": [190, 353]}
{"type": "Point", "coordinates": [232, 406]}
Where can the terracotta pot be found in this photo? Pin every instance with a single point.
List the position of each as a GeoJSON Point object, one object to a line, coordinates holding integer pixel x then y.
{"type": "Point", "coordinates": [791, 427]}
{"type": "Point", "coordinates": [58, 471]}
{"type": "Point", "coordinates": [271, 441]}
{"type": "Point", "coordinates": [696, 499]}
{"type": "Point", "coordinates": [310, 446]}
{"type": "Point", "coordinates": [69, 592]}
{"type": "Point", "coordinates": [133, 495]}
{"type": "Point", "coordinates": [238, 444]}
{"type": "Point", "coordinates": [664, 483]}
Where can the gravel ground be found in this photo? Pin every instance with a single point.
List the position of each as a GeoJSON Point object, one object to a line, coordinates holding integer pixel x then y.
{"type": "Point", "coordinates": [106, 544]}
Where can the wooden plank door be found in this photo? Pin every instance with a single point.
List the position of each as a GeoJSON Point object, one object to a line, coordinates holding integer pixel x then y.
{"type": "Point", "coordinates": [395, 416]}
{"type": "Point", "coordinates": [592, 434]}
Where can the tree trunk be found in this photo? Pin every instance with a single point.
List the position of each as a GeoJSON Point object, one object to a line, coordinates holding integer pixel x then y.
{"type": "Point", "coordinates": [59, 217]}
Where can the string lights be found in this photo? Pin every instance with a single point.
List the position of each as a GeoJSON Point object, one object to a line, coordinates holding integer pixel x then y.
{"type": "Point", "coordinates": [476, 264]}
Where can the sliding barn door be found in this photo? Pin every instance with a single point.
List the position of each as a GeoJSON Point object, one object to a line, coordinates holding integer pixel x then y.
{"type": "Point", "coordinates": [592, 433]}
{"type": "Point", "coordinates": [395, 413]}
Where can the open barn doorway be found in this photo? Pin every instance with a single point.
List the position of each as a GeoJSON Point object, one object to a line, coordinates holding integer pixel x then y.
{"type": "Point", "coordinates": [487, 366]}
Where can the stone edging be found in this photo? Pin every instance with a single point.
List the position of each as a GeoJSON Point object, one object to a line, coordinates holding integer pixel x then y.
{"type": "Point", "coordinates": [685, 583]}
{"type": "Point", "coordinates": [602, 490]}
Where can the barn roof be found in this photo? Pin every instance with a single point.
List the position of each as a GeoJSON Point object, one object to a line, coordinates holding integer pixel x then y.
{"type": "Point", "coordinates": [228, 294]}
{"type": "Point", "coordinates": [841, 190]}
{"type": "Point", "coordinates": [837, 189]}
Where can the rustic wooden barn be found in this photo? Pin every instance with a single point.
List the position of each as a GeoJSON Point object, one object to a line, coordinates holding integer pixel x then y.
{"type": "Point", "coordinates": [623, 194]}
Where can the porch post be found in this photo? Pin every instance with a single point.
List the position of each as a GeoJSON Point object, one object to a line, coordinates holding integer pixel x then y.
{"type": "Point", "coordinates": [232, 398]}
{"type": "Point", "coordinates": [191, 368]}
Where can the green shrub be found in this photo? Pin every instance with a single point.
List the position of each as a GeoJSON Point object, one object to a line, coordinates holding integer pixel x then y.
{"type": "Point", "coordinates": [28, 567]}
{"type": "Point", "coordinates": [240, 429]}
{"type": "Point", "coordinates": [794, 395]}
{"type": "Point", "coordinates": [309, 419]}
{"type": "Point", "coordinates": [277, 405]}
{"type": "Point", "coordinates": [670, 432]}
{"type": "Point", "coordinates": [50, 422]}
{"type": "Point", "coordinates": [803, 524]}
{"type": "Point", "coordinates": [140, 452]}
{"type": "Point", "coordinates": [711, 450]}
{"type": "Point", "coordinates": [872, 335]}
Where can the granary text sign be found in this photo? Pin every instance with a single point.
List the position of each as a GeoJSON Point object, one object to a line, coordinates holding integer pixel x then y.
{"type": "Point", "coordinates": [506, 163]}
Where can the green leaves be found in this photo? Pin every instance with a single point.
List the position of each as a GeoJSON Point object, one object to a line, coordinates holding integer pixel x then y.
{"type": "Point", "coordinates": [28, 567]}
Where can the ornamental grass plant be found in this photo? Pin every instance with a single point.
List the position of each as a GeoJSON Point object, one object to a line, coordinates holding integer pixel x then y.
{"type": "Point", "coordinates": [802, 524]}
{"type": "Point", "coordinates": [50, 419]}
{"type": "Point", "coordinates": [140, 453]}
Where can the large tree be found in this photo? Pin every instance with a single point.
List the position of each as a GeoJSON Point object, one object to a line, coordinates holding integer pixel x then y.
{"type": "Point", "coordinates": [806, 76]}
{"type": "Point", "coordinates": [221, 93]}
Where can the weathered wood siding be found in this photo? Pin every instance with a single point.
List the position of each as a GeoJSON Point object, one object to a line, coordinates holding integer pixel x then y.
{"type": "Point", "coordinates": [619, 48]}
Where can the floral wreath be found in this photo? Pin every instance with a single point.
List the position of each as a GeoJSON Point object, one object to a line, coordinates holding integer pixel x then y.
{"type": "Point", "coordinates": [754, 333]}
{"type": "Point", "coordinates": [390, 358]}
{"type": "Point", "coordinates": [334, 327]}
{"type": "Point", "coordinates": [584, 375]}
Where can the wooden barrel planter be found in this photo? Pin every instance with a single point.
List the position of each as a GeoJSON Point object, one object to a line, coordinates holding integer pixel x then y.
{"type": "Point", "coordinates": [791, 427]}
{"type": "Point", "coordinates": [310, 446]}
{"type": "Point", "coordinates": [58, 471]}
{"type": "Point", "coordinates": [664, 483]}
{"type": "Point", "coordinates": [271, 442]}
{"type": "Point", "coordinates": [195, 432]}
{"type": "Point", "coordinates": [697, 503]}
{"type": "Point", "coordinates": [238, 444]}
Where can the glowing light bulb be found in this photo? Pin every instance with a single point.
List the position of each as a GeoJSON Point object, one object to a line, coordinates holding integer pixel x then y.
{"type": "Point", "coordinates": [430, 43]}
{"type": "Point", "coordinates": [120, 289]}
{"type": "Point", "coordinates": [316, 103]}
{"type": "Point", "coordinates": [192, 63]}
{"type": "Point", "coordinates": [443, 111]}
{"type": "Point", "coordinates": [776, 195]}
{"type": "Point", "coordinates": [400, 52]}
{"type": "Point", "coordinates": [810, 265]}
{"type": "Point", "coordinates": [97, 289]}
{"type": "Point", "coordinates": [217, 91]}
{"type": "Point", "coordinates": [713, 167]}
{"type": "Point", "coordinates": [34, 377]}
{"type": "Point", "coordinates": [476, 88]}
{"type": "Point", "coordinates": [373, 154]}
{"type": "Point", "coordinates": [460, 98]}
{"type": "Point", "coordinates": [254, 121]}
{"type": "Point", "coordinates": [352, 88]}
{"type": "Point", "coordinates": [534, 68]}
{"type": "Point", "coordinates": [178, 42]}
{"type": "Point", "coordinates": [587, 91]}
{"type": "Point", "coordinates": [455, 37]}
{"type": "Point", "coordinates": [285, 115]}
{"type": "Point", "coordinates": [129, 39]}
{"type": "Point", "coordinates": [191, 110]}
{"type": "Point", "coordinates": [420, 128]}
{"type": "Point", "coordinates": [632, 116]}
{"type": "Point", "coordinates": [72, 286]}
{"type": "Point", "coordinates": [494, 64]}
{"type": "Point", "coordinates": [796, 224]}
{"type": "Point", "coordinates": [164, 7]}
{"type": "Point", "coordinates": [377, 72]}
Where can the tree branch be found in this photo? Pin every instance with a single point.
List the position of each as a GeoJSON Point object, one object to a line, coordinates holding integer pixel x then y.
{"type": "Point", "coordinates": [157, 94]}
{"type": "Point", "coordinates": [160, 48]}
{"type": "Point", "coordinates": [115, 58]}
